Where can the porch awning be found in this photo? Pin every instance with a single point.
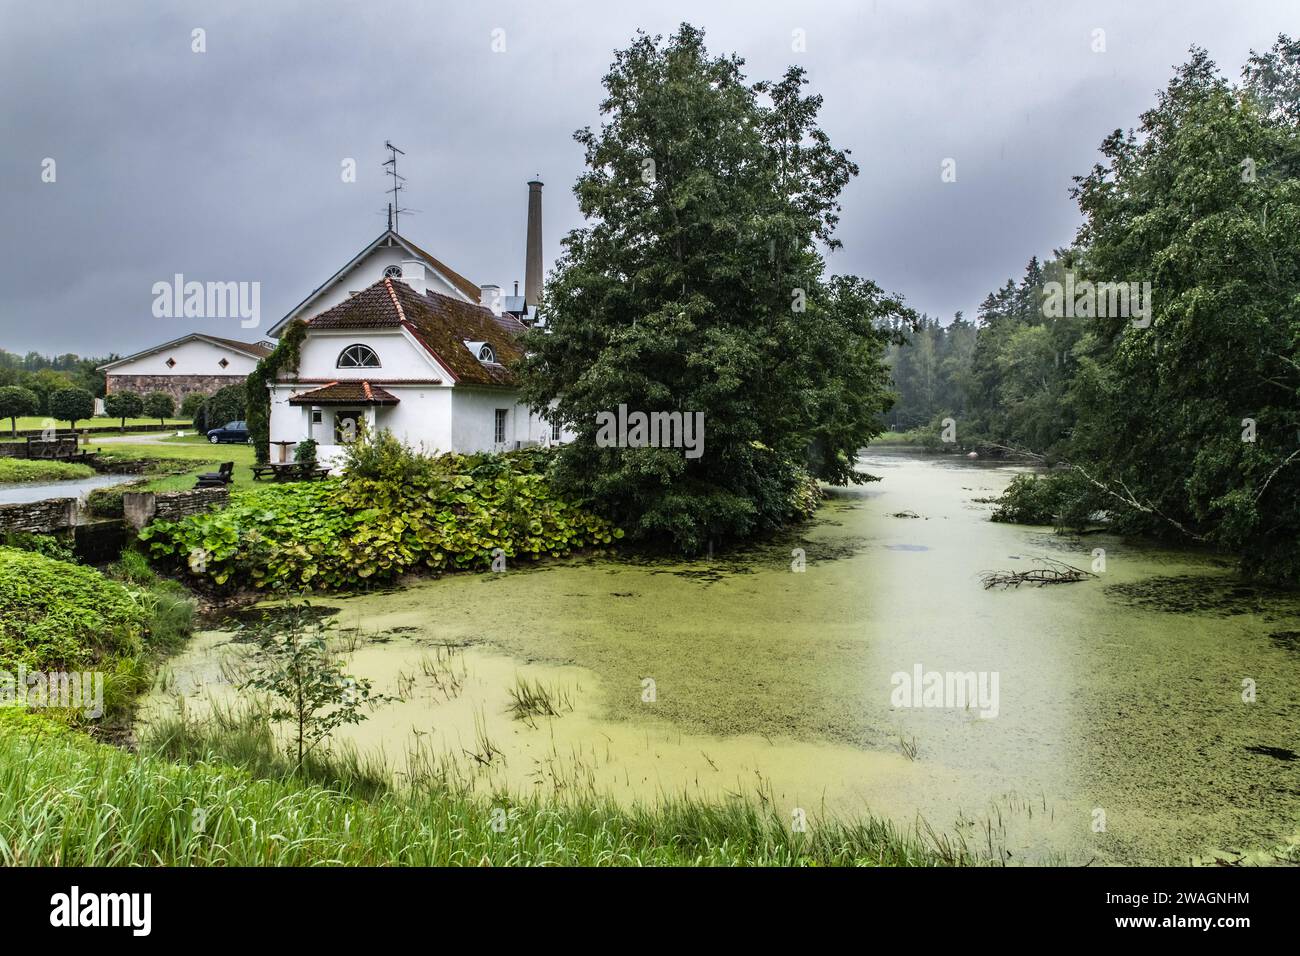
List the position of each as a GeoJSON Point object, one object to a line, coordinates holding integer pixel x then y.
{"type": "Point", "coordinates": [345, 393]}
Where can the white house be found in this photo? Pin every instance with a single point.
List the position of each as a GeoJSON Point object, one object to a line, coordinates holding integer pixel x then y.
{"type": "Point", "coordinates": [432, 369]}
{"type": "Point", "coordinates": [192, 363]}
{"type": "Point", "coordinates": [400, 341]}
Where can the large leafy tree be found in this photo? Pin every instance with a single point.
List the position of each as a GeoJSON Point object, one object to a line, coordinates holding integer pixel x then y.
{"type": "Point", "coordinates": [697, 285]}
{"type": "Point", "coordinates": [1203, 201]}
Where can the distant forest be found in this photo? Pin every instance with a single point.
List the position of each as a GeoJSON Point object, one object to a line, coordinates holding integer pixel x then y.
{"type": "Point", "coordinates": [43, 375]}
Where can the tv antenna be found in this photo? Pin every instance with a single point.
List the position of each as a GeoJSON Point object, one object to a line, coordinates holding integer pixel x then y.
{"type": "Point", "coordinates": [395, 208]}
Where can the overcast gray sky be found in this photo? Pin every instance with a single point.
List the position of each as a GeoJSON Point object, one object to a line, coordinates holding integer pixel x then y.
{"type": "Point", "coordinates": [225, 165]}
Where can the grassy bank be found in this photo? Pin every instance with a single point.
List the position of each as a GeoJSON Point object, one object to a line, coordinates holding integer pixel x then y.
{"type": "Point", "coordinates": [65, 800]}
{"type": "Point", "coordinates": [56, 615]}
{"type": "Point", "coordinates": [21, 469]}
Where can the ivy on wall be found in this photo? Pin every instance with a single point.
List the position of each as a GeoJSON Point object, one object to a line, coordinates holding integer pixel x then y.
{"type": "Point", "coordinates": [283, 359]}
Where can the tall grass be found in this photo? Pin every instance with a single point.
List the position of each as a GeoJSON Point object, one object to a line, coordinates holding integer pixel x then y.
{"type": "Point", "coordinates": [67, 801]}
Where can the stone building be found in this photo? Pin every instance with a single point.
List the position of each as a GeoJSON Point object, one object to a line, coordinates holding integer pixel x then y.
{"type": "Point", "coordinates": [192, 363]}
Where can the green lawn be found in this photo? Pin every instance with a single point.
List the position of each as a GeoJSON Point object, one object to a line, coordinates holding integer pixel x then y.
{"type": "Point", "coordinates": [19, 469]}
{"type": "Point", "coordinates": [193, 448]}
{"type": "Point", "coordinates": [39, 421]}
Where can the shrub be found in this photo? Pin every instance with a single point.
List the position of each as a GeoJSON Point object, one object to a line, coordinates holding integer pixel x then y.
{"type": "Point", "coordinates": [305, 451]}
{"type": "Point", "coordinates": [16, 401]}
{"type": "Point", "coordinates": [44, 544]}
{"type": "Point", "coordinates": [107, 502]}
{"type": "Point", "coordinates": [55, 615]}
{"type": "Point", "coordinates": [71, 405]}
{"type": "Point", "coordinates": [1061, 498]}
{"type": "Point", "coordinates": [123, 405]}
{"type": "Point", "coordinates": [191, 405]}
{"type": "Point", "coordinates": [159, 405]}
{"type": "Point", "coordinates": [213, 411]}
{"type": "Point", "coordinates": [394, 511]}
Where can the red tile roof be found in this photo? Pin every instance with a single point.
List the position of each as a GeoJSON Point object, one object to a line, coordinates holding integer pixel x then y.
{"type": "Point", "coordinates": [440, 323]}
{"type": "Point", "coordinates": [345, 393]}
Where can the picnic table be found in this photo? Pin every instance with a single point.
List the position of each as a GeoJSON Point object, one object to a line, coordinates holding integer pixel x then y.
{"type": "Point", "coordinates": [290, 471]}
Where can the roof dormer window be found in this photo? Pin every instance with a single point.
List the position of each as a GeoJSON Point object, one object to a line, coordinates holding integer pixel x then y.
{"type": "Point", "coordinates": [481, 351]}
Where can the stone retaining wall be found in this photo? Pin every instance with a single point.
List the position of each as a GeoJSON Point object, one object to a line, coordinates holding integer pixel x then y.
{"type": "Point", "coordinates": [39, 517]}
{"type": "Point", "coordinates": [141, 507]}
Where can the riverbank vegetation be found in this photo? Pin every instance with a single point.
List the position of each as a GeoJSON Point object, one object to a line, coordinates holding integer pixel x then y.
{"type": "Point", "coordinates": [25, 469]}
{"type": "Point", "coordinates": [395, 510]}
{"type": "Point", "coordinates": [1178, 416]}
{"type": "Point", "coordinates": [696, 288]}
{"type": "Point", "coordinates": [57, 615]}
{"type": "Point", "coordinates": [68, 801]}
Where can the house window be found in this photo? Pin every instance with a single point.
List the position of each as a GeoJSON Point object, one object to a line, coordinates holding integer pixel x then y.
{"type": "Point", "coordinates": [555, 431]}
{"type": "Point", "coordinates": [223, 363]}
{"type": "Point", "coordinates": [485, 354]}
{"type": "Point", "coordinates": [358, 356]}
{"type": "Point", "coordinates": [499, 431]}
{"type": "Point", "coordinates": [315, 416]}
{"type": "Point", "coordinates": [393, 272]}
{"type": "Point", "coordinates": [171, 363]}
{"type": "Point", "coordinates": [346, 426]}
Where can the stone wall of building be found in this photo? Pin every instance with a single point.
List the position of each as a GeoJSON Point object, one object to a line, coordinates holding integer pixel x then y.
{"type": "Point", "coordinates": [177, 386]}
{"type": "Point", "coordinates": [39, 517]}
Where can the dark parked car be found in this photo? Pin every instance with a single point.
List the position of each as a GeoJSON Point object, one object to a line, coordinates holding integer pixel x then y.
{"type": "Point", "coordinates": [231, 431]}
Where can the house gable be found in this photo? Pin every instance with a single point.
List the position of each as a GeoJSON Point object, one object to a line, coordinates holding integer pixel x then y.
{"type": "Point", "coordinates": [368, 266]}
{"type": "Point", "coordinates": [193, 354]}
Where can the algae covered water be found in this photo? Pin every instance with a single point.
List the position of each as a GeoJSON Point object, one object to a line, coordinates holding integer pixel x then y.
{"type": "Point", "coordinates": [1149, 714]}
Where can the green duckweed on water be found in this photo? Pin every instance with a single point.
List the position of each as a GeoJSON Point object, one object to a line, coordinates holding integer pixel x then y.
{"type": "Point", "coordinates": [1121, 733]}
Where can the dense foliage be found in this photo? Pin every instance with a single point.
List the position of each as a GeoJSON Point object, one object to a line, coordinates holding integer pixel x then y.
{"type": "Point", "coordinates": [59, 615]}
{"type": "Point", "coordinates": [257, 398]}
{"type": "Point", "coordinates": [1185, 422]}
{"type": "Point", "coordinates": [227, 404]}
{"type": "Point", "coordinates": [394, 511]}
{"type": "Point", "coordinates": [696, 286]}
{"type": "Point", "coordinates": [43, 375]}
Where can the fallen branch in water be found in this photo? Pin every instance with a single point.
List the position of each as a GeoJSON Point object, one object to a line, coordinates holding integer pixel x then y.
{"type": "Point", "coordinates": [1056, 572]}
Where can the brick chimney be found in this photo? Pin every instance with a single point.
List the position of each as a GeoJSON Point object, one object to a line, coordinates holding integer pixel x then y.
{"type": "Point", "coordinates": [533, 257]}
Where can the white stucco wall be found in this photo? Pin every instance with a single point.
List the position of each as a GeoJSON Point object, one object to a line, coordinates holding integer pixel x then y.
{"type": "Point", "coordinates": [400, 356]}
{"type": "Point", "coordinates": [195, 357]}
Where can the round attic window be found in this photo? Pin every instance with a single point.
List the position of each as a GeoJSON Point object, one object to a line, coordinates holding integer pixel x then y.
{"type": "Point", "coordinates": [485, 354]}
{"type": "Point", "coordinates": [393, 272]}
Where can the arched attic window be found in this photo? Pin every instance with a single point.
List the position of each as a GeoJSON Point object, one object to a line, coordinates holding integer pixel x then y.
{"type": "Point", "coordinates": [485, 354]}
{"type": "Point", "coordinates": [358, 356]}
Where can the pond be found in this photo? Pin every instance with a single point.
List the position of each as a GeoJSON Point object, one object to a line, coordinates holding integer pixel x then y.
{"type": "Point", "coordinates": [1108, 720]}
{"type": "Point", "coordinates": [26, 492]}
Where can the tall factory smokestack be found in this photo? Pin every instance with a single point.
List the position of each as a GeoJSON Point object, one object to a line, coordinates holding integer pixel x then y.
{"type": "Point", "coordinates": [533, 257]}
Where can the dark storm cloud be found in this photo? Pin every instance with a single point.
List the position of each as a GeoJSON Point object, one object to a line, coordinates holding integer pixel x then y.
{"type": "Point", "coordinates": [225, 165]}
